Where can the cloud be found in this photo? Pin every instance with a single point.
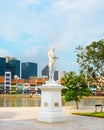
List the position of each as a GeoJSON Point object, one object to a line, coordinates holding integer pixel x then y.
{"type": "Point", "coordinates": [32, 52]}
{"type": "Point", "coordinates": [33, 26]}
{"type": "Point", "coordinates": [4, 52]}
{"type": "Point", "coordinates": [75, 5]}
{"type": "Point", "coordinates": [45, 24]}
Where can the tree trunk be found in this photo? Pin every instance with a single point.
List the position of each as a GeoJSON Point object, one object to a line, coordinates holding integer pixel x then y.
{"type": "Point", "coordinates": [77, 105]}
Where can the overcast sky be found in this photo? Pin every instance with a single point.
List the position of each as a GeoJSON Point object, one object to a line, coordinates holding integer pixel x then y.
{"type": "Point", "coordinates": [28, 29]}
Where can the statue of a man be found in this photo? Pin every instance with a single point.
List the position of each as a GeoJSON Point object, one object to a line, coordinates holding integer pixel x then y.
{"type": "Point", "coordinates": [52, 62]}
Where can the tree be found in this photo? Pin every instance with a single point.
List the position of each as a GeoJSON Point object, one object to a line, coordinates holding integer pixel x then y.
{"type": "Point", "coordinates": [76, 87]}
{"type": "Point", "coordinates": [91, 61]}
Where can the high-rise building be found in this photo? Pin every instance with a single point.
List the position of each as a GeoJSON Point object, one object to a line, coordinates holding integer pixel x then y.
{"type": "Point", "coordinates": [29, 69]}
{"type": "Point", "coordinates": [45, 72]}
{"type": "Point", "coordinates": [62, 73]}
{"type": "Point", "coordinates": [13, 65]}
{"type": "Point", "coordinates": [2, 66]}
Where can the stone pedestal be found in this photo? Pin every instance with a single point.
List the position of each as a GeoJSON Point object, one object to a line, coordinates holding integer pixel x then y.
{"type": "Point", "coordinates": [51, 104]}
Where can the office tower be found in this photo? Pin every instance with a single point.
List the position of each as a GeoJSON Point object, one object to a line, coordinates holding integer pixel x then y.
{"type": "Point", "coordinates": [62, 73]}
{"type": "Point", "coordinates": [13, 65]}
{"type": "Point", "coordinates": [45, 72]}
{"type": "Point", "coordinates": [2, 66]}
{"type": "Point", "coordinates": [29, 69]}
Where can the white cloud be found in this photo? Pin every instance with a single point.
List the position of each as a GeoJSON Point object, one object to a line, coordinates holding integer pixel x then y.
{"type": "Point", "coordinates": [84, 5]}
{"type": "Point", "coordinates": [34, 25]}
{"type": "Point", "coordinates": [41, 26]}
{"type": "Point", "coordinates": [75, 5]}
{"type": "Point", "coordinates": [32, 52]}
{"type": "Point", "coordinates": [4, 52]}
{"type": "Point", "coordinates": [61, 5]}
{"type": "Point", "coordinates": [62, 41]}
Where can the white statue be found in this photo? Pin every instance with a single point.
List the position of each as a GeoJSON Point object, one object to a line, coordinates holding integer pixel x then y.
{"type": "Point", "coordinates": [52, 62]}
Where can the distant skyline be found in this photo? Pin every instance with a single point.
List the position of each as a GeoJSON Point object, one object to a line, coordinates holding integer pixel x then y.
{"type": "Point", "coordinates": [28, 29]}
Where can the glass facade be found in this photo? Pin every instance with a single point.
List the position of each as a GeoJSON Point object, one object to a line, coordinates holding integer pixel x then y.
{"type": "Point", "coordinates": [2, 66]}
{"type": "Point", "coordinates": [29, 69]}
{"type": "Point", "coordinates": [11, 65]}
{"type": "Point", "coordinates": [14, 67]}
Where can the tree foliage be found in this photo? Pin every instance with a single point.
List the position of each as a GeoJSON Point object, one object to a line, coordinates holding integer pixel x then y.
{"type": "Point", "coordinates": [76, 87]}
{"type": "Point", "coordinates": [91, 59]}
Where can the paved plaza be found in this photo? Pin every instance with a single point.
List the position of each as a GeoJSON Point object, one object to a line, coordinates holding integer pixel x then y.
{"type": "Point", "coordinates": [25, 118]}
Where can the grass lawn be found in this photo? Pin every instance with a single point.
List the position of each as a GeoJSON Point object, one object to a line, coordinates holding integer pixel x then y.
{"type": "Point", "coordinates": [93, 114]}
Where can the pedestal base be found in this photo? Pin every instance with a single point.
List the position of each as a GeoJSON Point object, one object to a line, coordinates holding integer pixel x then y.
{"type": "Point", "coordinates": [51, 116]}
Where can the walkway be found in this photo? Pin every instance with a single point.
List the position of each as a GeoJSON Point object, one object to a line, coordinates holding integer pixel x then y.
{"type": "Point", "coordinates": [25, 118]}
